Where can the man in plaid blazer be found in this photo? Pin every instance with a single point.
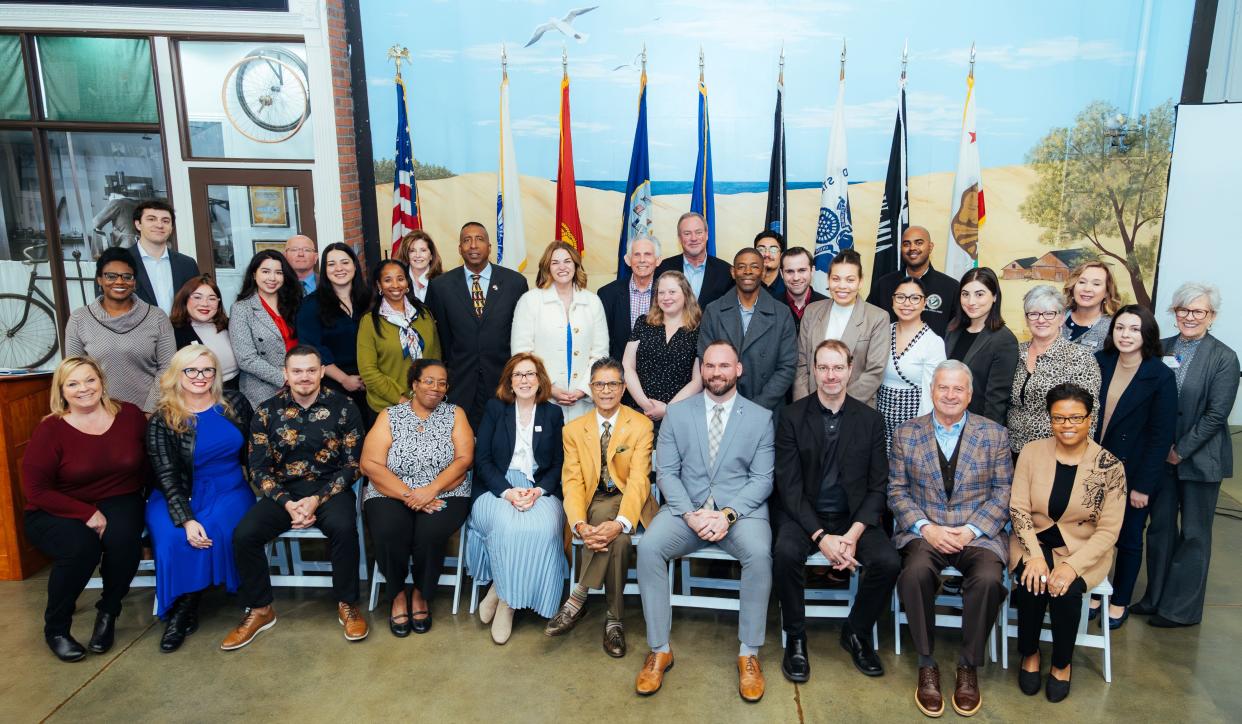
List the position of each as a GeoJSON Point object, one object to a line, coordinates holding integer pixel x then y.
{"type": "Point", "coordinates": [949, 479]}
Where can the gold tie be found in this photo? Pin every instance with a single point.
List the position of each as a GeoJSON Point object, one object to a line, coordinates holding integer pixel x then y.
{"type": "Point", "coordinates": [476, 295]}
{"type": "Point", "coordinates": [605, 480]}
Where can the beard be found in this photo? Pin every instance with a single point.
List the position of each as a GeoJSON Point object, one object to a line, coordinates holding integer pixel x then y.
{"type": "Point", "coordinates": [719, 386]}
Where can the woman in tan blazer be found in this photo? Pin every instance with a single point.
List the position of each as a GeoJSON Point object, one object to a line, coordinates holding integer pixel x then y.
{"type": "Point", "coordinates": [1067, 504]}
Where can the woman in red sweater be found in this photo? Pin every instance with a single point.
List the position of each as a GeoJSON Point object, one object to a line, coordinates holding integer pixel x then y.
{"type": "Point", "coordinates": [82, 476]}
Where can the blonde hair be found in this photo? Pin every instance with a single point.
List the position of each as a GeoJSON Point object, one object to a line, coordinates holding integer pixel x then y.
{"type": "Point", "coordinates": [170, 405]}
{"type": "Point", "coordinates": [1112, 300]}
{"type": "Point", "coordinates": [690, 316]}
{"type": "Point", "coordinates": [68, 366]}
{"type": "Point", "coordinates": [543, 280]}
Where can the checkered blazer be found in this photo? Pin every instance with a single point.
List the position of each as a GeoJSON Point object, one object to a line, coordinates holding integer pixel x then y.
{"type": "Point", "coordinates": [980, 487]}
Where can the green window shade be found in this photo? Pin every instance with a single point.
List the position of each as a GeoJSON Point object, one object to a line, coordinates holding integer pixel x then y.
{"type": "Point", "coordinates": [14, 103]}
{"type": "Point", "coordinates": [97, 79]}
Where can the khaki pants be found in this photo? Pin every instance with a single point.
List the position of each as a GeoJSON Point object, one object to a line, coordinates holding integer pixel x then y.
{"type": "Point", "coordinates": [607, 568]}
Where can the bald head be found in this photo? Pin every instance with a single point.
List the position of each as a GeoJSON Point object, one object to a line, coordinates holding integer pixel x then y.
{"type": "Point", "coordinates": [302, 254]}
{"type": "Point", "coordinates": [916, 248]}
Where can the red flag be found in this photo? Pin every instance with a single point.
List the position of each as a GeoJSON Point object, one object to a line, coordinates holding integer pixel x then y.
{"type": "Point", "coordinates": [568, 225]}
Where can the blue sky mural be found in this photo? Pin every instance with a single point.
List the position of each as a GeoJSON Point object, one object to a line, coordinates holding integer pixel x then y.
{"type": "Point", "coordinates": [1039, 64]}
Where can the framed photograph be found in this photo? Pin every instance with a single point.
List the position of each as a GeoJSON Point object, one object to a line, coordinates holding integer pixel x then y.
{"type": "Point", "coordinates": [268, 206]}
{"type": "Point", "coordinates": [265, 244]}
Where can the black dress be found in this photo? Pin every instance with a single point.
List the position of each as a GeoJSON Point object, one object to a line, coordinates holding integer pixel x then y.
{"type": "Point", "coordinates": [664, 367]}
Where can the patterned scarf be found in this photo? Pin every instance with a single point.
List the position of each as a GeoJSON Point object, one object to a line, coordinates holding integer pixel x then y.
{"type": "Point", "coordinates": [411, 341]}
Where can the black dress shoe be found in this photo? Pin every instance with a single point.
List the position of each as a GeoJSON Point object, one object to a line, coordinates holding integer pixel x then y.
{"type": "Point", "coordinates": [1029, 682]}
{"type": "Point", "coordinates": [1056, 690]}
{"type": "Point", "coordinates": [420, 625]}
{"type": "Point", "coordinates": [65, 647]}
{"type": "Point", "coordinates": [865, 658]}
{"type": "Point", "coordinates": [1142, 608]}
{"type": "Point", "coordinates": [796, 666]}
{"type": "Point", "coordinates": [104, 634]}
{"type": "Point", "coordinates": [399, 625]}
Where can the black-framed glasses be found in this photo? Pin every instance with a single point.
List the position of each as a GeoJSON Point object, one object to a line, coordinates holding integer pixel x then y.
{"type": "Point", "coordinates": [908, 298]}
{"type": "Point", "coordinates": [520, 376]}
{"type": "Point", "coordinates": [603, 385]}
{"type": "Point", "coordinates": [112, 277]}
{"type": "Point", "coordinates": [199, 372]}
{"type": "Point", "coordinates": [1046, 316]}
{"type": "Point", "coordinates": [1196, 314]}
{"type": "Point", "coordinates": [1070, 419]}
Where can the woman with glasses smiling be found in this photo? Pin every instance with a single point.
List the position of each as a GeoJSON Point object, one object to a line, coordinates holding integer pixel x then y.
{"type": "Point", "coordinates": [131, 340]}
{"type": "Point", "coordinates": [198, 318]}
{"type": "Point", "coordinates": [196, 442]}
{"type": "Point", "coordinates": [914, 350]}
{"type": "Point", "coordinates": [1044, 362]}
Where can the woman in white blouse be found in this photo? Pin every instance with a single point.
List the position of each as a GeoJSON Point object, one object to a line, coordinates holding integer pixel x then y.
{"type": "Point", "coordinates": [563, 324]}
{"type": "Point", "coordinates": [913, 353]}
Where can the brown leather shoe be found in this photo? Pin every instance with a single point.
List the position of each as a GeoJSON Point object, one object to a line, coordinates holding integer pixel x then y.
{"type": "Point", "coordinates": [564, 620]}
{"type": "Point", "coordinates": [614, 641]}
{"type": "Point", "coordinates": [651, 677]}
{"type": "Point", "coordinates": [966, 696]}
{"type": "Point", "coordinates": [356, 628]}
{"type": "Point", "coordinates": [750, 682]}
{"type": "Point", "coordinates": [255, 621]}
{"type": "Point", "coordinates": [927, 694]}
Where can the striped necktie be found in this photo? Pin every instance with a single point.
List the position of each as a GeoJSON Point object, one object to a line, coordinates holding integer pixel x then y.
{"type": "Point", "coordinates": [476, 295]}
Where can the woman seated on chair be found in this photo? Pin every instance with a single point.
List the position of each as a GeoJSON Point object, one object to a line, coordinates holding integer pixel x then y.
{"type": "Point", "coordinates": [416, 458]}
{"type": "Point", "coordinates": [1067, 504]}
{"type": "Point", "coordinates": [196, 440]}
{"type": "Point", "coordinates": [82, 477]}
{"type": "Point", "coordinates": [517, 522]}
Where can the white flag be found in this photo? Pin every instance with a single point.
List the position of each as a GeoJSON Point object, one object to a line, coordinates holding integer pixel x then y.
{"type": "Point", "coordinates": [967, 202]}
{"type": "Point", "coordinates": [834, 231]}
{"type": "Point", "coordinates": [510, 233]}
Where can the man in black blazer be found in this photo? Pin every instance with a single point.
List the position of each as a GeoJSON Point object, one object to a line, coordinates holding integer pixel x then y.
{"type": "Point", "coordinates": [619, 296]}
{"type": "Point", "coordinates": [916, 249]}
{"type": "Point", "coordinates": [161, 271]}
{"type": "Point", "coordinates": [475, 344]}
{"type": "Point", "coordinates": [709, 277]}
{"type": "Point", "coordinates": [831, 480]}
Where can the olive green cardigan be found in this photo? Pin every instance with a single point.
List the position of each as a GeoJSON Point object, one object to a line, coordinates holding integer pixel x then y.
{"type": "Point", "coordinates": [381, 364]}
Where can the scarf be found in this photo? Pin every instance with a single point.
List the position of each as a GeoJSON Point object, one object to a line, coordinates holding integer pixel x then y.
{"type": "Point", "coordinates": [411, 341]}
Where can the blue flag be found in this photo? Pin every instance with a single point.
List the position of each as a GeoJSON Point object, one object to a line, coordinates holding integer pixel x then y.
{"type": "Point", "coordinates": [636, 214]}
{"type": "Point", "coordinates": [702, 199]}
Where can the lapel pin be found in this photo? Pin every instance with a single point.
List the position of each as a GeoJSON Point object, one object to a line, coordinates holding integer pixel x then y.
{"type": "Point", "coordinates": [538, 428]}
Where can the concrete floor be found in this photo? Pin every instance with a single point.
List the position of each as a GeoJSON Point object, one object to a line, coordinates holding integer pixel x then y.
{"type": "Point", "coordinates": [302, 669]}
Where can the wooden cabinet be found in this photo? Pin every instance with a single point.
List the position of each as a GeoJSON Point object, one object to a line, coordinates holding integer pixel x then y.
{"type": "Point", "coordinates": [23, 403]}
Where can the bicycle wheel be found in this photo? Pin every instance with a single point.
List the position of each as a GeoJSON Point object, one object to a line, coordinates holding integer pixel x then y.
{"type": "Point", "coordinates": [27, 332]}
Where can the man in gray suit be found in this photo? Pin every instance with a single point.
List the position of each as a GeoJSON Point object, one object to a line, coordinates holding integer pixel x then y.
{"type": "Point", "coordinates": [714, 467]}
{"type": "Point", "coordinates": [757, 325]}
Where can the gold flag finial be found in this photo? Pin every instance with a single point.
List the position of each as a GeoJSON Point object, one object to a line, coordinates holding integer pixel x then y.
{"type": "Point", "coordinates": [399, 54]}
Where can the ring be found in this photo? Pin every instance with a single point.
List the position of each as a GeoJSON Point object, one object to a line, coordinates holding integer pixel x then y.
{"type": "Point", "coordinates": [1043, 579]}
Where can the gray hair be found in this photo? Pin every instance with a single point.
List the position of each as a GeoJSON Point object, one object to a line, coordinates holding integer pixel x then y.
{"type": "Point", "coordinates": [1044, 298]}
{"type": "Point", "coordinates": [654, 242]}
{"type": "Point", "coordinates": [953, 365]}
{"type": "Point", "coordinates": [1191, 291]}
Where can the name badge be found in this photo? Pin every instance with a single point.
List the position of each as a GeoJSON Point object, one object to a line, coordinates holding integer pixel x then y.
{"type": "Point", "coordinates": [538, 428]}
{"type": "Point", "coordinates": [1171, 362]}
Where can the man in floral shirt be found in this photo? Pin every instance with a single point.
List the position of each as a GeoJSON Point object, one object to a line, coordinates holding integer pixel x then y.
{"type": "Point", "coordinates": [304, 448]}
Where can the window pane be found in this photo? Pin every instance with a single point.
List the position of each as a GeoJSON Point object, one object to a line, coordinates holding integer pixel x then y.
{"type": "Point", "coordinates": [245, 220]}
{"type": "Point", "coordinates": [14, 103]}
{"type": "Point", "coordinates": [98, 179]}
{"type": "Point", "coordinates": [27, 310]}
{"type": "Point", "coordinates": [97, 79]}
{"type": "Point", "coordinates": [246, 100]}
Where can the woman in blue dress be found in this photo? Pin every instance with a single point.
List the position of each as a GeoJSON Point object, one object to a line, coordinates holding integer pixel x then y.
{"type": "Point", "coordinates": [196, 441]}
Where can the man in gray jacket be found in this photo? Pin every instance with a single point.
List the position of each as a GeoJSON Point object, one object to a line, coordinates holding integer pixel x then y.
{"type": "Point", "coordinates": [714, 468]}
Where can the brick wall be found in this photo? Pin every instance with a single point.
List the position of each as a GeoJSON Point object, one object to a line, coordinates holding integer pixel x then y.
{"type": "Point", "coordinates": [351, 205]}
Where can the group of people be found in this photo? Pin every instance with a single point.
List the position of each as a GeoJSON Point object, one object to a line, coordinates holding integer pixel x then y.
{"type": "Point", "coordinates": [896, 436]}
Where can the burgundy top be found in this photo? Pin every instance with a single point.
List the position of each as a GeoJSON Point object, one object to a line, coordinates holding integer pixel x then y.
{"type": "Point", "coordinates": [66, 471]}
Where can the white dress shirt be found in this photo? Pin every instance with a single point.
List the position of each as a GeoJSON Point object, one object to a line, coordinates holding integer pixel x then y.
{"type": "Point", "coordinates": [626, 525]}
{"type": "Point", "coordinates": [159, 271]}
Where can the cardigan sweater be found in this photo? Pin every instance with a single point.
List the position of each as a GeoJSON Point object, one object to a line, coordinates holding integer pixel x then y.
{"type": "Point", "coordinates": [381, 363]}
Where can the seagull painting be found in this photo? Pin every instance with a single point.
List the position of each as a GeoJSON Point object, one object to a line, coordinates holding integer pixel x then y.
{"type": "Point", "coordinates": [564, 26]}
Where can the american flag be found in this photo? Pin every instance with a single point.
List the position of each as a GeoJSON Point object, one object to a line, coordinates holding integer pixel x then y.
{"type": "Point", "coordinates": [406, 215]}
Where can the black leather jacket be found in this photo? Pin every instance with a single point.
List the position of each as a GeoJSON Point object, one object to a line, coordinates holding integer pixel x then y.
{"type": "Point", "coordinates": [172, 456]}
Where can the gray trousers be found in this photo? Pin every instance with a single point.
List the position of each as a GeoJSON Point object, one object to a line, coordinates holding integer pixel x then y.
{"type": "Point", "coordinates": [668, 538]}
{"type": "Point", "coordinates": [1178, 556]}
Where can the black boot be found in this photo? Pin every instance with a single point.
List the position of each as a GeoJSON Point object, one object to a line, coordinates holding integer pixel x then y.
{"type": "Point", "coordinates": [65, 647]}
{"type": "Point", "coordinates": [104, 634]}
{"type": "Point", "coordinates": [182, 622]}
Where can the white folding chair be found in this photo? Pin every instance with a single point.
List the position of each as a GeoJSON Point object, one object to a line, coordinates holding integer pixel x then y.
{"type": "Point", "coordinates": [1102, 640]}
{"type": "Point", "coordinates": [454, 579]}
{"type": "Point", "coordinates": [843, 600]}
{"type": "Point", "coordinates": [285, 554]}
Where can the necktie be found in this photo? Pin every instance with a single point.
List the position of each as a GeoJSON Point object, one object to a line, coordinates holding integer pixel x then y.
{"type": "Point", "coordinates": [605, 481]}
{"type": "Point", "coordinates": [476, 294]}
{"type": "Point", "coordinates": [714, 432]}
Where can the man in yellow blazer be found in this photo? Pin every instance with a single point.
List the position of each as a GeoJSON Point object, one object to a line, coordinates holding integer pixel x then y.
{"type": "Point", "coordinates": [607, 494]}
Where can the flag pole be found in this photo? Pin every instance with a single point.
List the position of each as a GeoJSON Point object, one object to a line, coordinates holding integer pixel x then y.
{"type": "Point", "coordinates": [905, 58]}
{"type": "Point", "coordinates": [972, 61]}
{"type": "Point", "coordinates": [504, 63]}
{"type": "Point", "coordinates": [842, 59]}
{"type": "Point", "coordinates": [564, 63]}
{"type": "Point", "coordinates": [780, 78]}
{"type": "Point", "coordinates": [700, 64]}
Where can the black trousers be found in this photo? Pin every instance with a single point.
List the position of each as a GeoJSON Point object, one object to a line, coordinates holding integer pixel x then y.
{"type": "Point", "coordinates": [336, 518]}
{"type": "Point", "coordinates": [399, 534]}
{"type": "Point", "coordinates": [983, 591]}
{"type": "Point", "coordinates": [790, 547]}
{"type": "Point", "coordinates": [1130, 549]}
{"type": "Point", "coordinates": [1064, 610]}
{"type": "Point", "coordinates": [76, 550]}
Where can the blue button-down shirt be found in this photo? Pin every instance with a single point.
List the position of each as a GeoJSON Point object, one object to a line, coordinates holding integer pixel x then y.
{"type": "Point", "coordinates": [485, 279]}
{"type": "Point", "coordinates": [694, 274]}
{"type": "Point", "coordinates": [309, 284]}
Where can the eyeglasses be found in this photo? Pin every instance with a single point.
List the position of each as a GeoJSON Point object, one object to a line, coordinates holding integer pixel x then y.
{"type": "Point", "coordinates": [524, 375]}
{"type": "Point", "coordinates": [432, 382]}
{"type": "Point", "coordinates": [1070, 419]}
{"type": "Point", "coordinates": [199, 372]}
{"type": "Point", "coordinates": [608, 385]}
{"type": "Point", "coordinates": [839, 369]}
{"type": "Point", "coordinates": [1046, 316]}
{"type": "Point", "coordinates": [112, 277]}
{"type": "Point", "coordinates": [1196, 314]}
{"type": "Point", "coordinates": [908, 298]}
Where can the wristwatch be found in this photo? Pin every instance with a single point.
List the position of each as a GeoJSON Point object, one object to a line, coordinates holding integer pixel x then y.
{"type": "Point", "coordinates": [730, 515]}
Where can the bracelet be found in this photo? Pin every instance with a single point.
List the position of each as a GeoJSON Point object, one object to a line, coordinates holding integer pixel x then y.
{"type": "Point", "coordinates": [818, 536]}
